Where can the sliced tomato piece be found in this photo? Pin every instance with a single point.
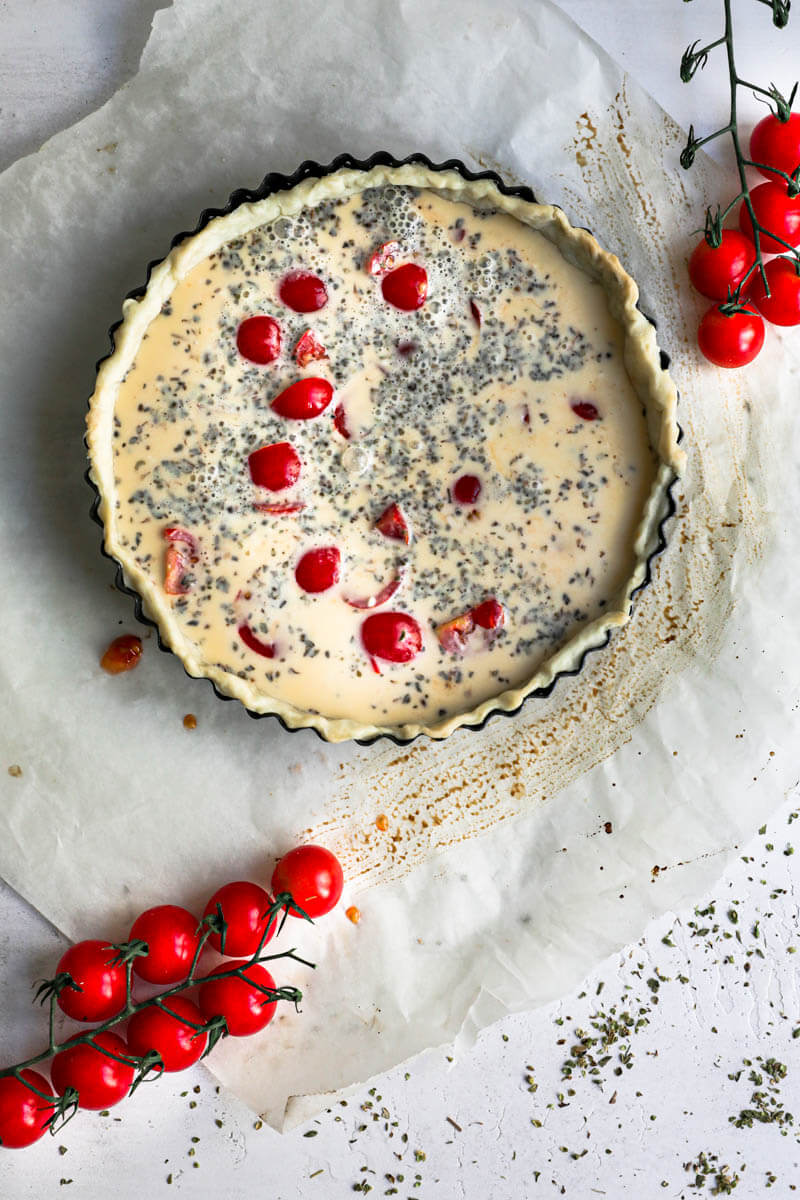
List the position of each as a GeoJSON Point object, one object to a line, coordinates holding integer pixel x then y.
{"type": "Point", "coordinates": [303, 292]}
{"type": "Point", "coordinates": [406, 287]}
{"type": "Point", "coordinates": [392, 524]}
{"type": "Point", "coordinates": [340, 421]}
{"type": "Point", "coordinates": [318, 569]}
{"type": "Point", "coordinates": [182, 553]}
{"type": "Point", "coordinates": [380, 597]}
{"type": "Point", "coordinates": [383, 259]}
{"type": "Point", "coordinates": [477, 315]}
{"type": "Point", "coordinates": [467, 489]}
{"type": "Point", "coordinates": [490, 614]}
{"type": "Point", "coordinates": [303, 400]}
{"type": "Point", "coordinates": [393, 636]}
{"type": "Point", "coordinates": [453, 634]}
{"type": "Point", "coordinates": [275, 467]}
{"type": "Point", "coordinates": [308, 348]}
{"type": "Point", "coordinates": [279, 510]}
{"type": "Point", "coordinates": [265, 649]}
{"type": "Point", "coordinates": [259, 339]}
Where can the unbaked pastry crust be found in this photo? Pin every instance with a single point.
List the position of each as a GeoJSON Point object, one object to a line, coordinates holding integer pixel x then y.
{"type": "Point", "coordinates": [651, 382]}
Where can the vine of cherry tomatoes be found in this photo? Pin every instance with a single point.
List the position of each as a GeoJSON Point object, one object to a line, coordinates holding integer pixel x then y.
{"type": "Point", "coordinates": [732, 331]}
{"type": "Point", "coordinates": [93, 983]}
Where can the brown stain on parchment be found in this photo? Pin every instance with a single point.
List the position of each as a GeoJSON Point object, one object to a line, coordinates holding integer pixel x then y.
{"type": "Point", "coordinates": [435, 795]}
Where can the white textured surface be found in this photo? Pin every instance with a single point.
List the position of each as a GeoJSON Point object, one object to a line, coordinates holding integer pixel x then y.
{"type": "Point", "coordinates": [56, 64]}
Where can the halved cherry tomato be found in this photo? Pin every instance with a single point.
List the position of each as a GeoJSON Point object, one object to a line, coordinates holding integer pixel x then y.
{"type": "Point", "coordinates": [99, 991]}
{"type": "Point", "coordinates": [777, 212]}
{"type": "Point", "coordinates": [730, 340]}
{"type": "Point", "coordinates": [172, 935]}
{"type": "Point", "coordinates": [123, 654]}
{"type": "Point", "coordinates": [282, 509]}
{"type": "Point", "coordinates": [318, 569]}
{"type": "Point", "coordinates": [182, 553]}
{"type": "Point", "coordinates": [782, 306]}
{"type": "Point", "coordinates": [254, 642]}
{"type": "Point", "coordinates": [303, 400]}
{"type": "Point", "coordinates": [259, 339]}
{"type": "Point", "coordinates": [303, 291]}
{"type": "Point", "coordinates": [393, 636]}
{"type": "Point", "coordinates": [241, 1002]}
{"type": "Point", "coordinates": [466, 489]}
{"type": "Point", "coordinates": [717, 270]}
{"type": "Point", "coordinates": [490, 614]}
{"type": "Point", "coordinates": [178, 1043]}
{"type": "Point", "coordinates": [776, 143]}
{"type": "Point", "coordinates": [312, 875]}
{"type": "Point", "coordinates": [276, 466]}
{"type": "Point", "coordinates": [244, 908]}
{"type": "Point", "coordinates": [23, 1114]}
{"type": "Point", "coordinates": [585, 410]}
{"type": "Point", "coordinates": [309, 347]}
{"type": "Point", "coordinates": [392, 524]}
{"type": "Point", "coordinates": [406, 287]}
{"type": "Point", "coordinates": [99, 1080]}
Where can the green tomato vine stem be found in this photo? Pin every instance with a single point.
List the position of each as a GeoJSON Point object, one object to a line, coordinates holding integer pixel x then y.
{"type": "Point", "coordinates": [65, 1107]}
{"type": "Point", "coordinates": [695, 59]}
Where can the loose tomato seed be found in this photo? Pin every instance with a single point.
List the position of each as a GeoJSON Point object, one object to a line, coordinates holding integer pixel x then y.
{"type": "Point", "coordinates": [190, 721]}
{"type": "Point", "coordinates": [123, 654]}
{"type": "Point", "coordinates": [382, 822]}
{"type": "Point", "coordinates": [585, 410]}
{"type": "Point", "coordinates": [353, 914]}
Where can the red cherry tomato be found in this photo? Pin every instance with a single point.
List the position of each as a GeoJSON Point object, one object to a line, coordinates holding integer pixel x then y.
{"type": "Point", "coordinates": [406, 287]}
{"type": "Point", "coordinates": [490, 614]}
{"type": "Point", "coordinates": [777, 212]}
{"type": "Point", "coordinates": [244, 907]}
{"type": "Point", "coordinates": [318, 569]}
{"type": "Point", "coordinates": [178, 1043]}
{"type": "Point", "coordinates": [715, 271]}
{"type": "Point", "coordinates": [303, 291]}
{"type": "Point", "coordinates": [776, 143]}
{"type": "Point", "coordinates": [730, 340]}
{"type": "Point", "coordinates": [259, 339]}
{"type": "Point", "coordinates": [393, 636]}
{"type": "Point", "coordinates": [102, 984]}
{"type": "Point", "coordinates": [392, 524]}
{"type": "Point", "coordinates": [100, 1081]}
{"type": "Point", "coordinates": [172, 936]}
{"type": "Point", "coordinates": [585, 410]}
{"type": "Point", "coordinates": [276, 466]}
{"type": "Point", "coordinates": [782, 306]}
{"type": "Point", "coordinates": [303, 400]}
{"type": "Point", "coordinates": [466, 489]}
{"type": "Point", "coordinates": [313, 878]}
{"type": "Point", "coordinates": [23, 1114]}
{"type": "Point", "coordinates": [245, 1008]}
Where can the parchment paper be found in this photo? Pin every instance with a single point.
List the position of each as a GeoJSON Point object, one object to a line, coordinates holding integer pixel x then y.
{"type": "Point", "coordinates": [496, 886]}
